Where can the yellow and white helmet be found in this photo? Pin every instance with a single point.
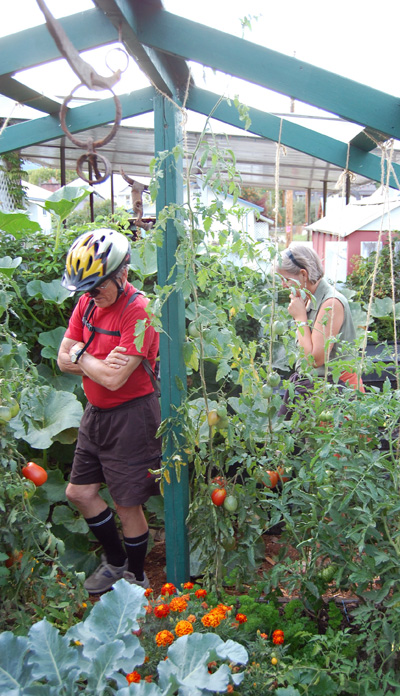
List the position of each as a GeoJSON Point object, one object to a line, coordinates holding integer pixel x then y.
{"type": "Point", "coordinates": [94, 257]}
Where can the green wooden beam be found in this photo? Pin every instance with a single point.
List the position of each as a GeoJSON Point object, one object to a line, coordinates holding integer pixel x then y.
{"type": "Point", "coordinates": [35, 46]}
{"type": "Point", "coordinates": [25, 95]}
{"type": "Point", "coordinates": [368, 139]}
{"type": "Point", "coordinates": [79, 119]}
{"type": "Point", "coordinates": [291, 134]}
{"type": "Point", "coordinates": [165, 72]}
{"type": "Point", "coordinates": [176, 494]}
{"type": "Point", "coordinates": [262, 66]}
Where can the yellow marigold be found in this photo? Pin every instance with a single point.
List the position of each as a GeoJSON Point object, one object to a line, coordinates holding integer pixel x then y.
{"type": "Point", "coordinates": [188, 586]}
{"type": "Point", "coordinates": [148, 592]}
{"type": "Point", "coordinates": [164, 638]}
{"type": "Point", "coordinates": [191, 618]}
{"type": "Point", "coordinates": [241, 618]}
{"type": "Point", "coordinates": [183, 628]}
{"type": "Point", "coordinates": [168, 588]}
{"type": "Point", "coordinates": [211, 620]}
{"type": "Point", "coordinates": [178, 604]}
{"type": "Point", "coordinates": [133, 678]}
{"type": "Point", "coordinates": [200, 594]}
{"type": "Point", "coordinates": [161, 610]}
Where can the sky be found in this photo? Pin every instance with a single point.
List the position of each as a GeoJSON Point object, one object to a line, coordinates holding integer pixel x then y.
{"type": "Point", "coordinates": [353, 38]}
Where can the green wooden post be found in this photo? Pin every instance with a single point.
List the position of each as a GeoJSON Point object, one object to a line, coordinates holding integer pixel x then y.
{"type": "Point", "coordinates": [167, 134]}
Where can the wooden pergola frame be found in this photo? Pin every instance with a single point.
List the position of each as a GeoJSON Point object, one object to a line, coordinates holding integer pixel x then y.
{"type": "Point", "coordinates": [161, 43]}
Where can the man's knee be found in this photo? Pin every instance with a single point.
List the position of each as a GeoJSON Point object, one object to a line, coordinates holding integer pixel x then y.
{"type": "Point", "coordinates": [81, 495]}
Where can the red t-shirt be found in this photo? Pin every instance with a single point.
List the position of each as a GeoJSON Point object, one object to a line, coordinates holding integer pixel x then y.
{"type": "Point", "coordinates": [115, 319]}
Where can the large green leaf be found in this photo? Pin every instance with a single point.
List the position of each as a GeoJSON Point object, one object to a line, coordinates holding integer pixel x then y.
{"type": "Point", "coordinates": [383, 307]}
{"type": "Point", "coordinates": [8, 265]}
{"type": "Point", "coordinates": [64, 201]}
{"type": "Point", "coordinates": [52, 292]}
{"type": "Point", "coordinates": [51, 340]}
{"type": "Point", "coordinates": [67, 518]}
{"type": "Point", "coordinates": [50, 412]}
{"type": "Point", "coordinates": [17, 224]}
{"type": "Point", "coordinates": [144, 261]}
{"type": "Point", "coordinates": [50, 655]}
{"type": "Point", "coordinates": [13, 672]}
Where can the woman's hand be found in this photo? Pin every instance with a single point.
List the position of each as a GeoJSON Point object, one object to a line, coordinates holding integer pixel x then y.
{"type": "Point", "coordinates": [116, 359]}
{"type": "Point", "coordinates": [297, 307]}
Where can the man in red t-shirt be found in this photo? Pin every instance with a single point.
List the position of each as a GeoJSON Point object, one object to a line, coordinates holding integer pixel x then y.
{"type": "Point", "coordinates": [117, 442]}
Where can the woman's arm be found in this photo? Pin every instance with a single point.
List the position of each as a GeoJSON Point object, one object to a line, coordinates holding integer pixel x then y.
{"type": "Point", "coordinates": [328, 323]}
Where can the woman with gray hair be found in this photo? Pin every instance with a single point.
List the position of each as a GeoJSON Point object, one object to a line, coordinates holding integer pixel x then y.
{"type": "Point", "coordinates": [321, 313]}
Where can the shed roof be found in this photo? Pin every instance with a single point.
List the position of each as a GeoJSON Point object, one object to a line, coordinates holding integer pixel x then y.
{"type": "Point", "coordinates": [372, 212]}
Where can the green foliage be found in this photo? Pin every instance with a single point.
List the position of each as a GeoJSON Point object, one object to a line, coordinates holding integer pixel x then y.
{"type": "Point", "coordinates": [44, 175]}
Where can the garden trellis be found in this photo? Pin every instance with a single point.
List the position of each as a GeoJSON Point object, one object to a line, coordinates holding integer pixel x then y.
{"type": "Point", "coordinates": [161, 43]}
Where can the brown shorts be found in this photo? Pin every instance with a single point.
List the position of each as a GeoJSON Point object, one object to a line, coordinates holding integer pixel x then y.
{"type": "Point", "coordinates": [118, 446]}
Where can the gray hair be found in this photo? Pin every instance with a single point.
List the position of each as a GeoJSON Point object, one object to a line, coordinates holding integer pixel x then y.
{"type": "Point", "coordinates": [299, 256]}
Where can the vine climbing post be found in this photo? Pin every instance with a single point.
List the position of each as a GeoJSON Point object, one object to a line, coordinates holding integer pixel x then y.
{"type": "Point", "coordinates": [167, 134]}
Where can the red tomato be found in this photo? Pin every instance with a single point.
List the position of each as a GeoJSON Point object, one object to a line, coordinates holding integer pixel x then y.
{"type": "Point", "coordinates": [273, 477]}
{"type": "Point", "coordinates": [35, 473]}
{"type": "Point", "coordinates": [218, 496]}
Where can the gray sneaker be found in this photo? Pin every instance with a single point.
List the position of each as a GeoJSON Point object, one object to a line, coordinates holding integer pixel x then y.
{"type": "Point", "coordinates": [131, 577]}
{"type": "Point", "coordinates": [104, 576]}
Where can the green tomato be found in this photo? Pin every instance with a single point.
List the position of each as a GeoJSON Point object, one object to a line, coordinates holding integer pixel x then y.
{"type": "Point", "coordinates": [273, 379]}
{"type": "Point", "coordinates": [29, 489]}
{"type": "Point", "coordinates": [5, 414]}
{"type": "Point", "coordinates": [229, 543]}
{"type": "Point", "coordinates": [328, 573]}
{"type": "Point", "coordinates": [278, 328]}
{"type": "Point", "coordinates": [14, 407]}
{"type": "Point", "coordinates": [267, 391]}
{"type": "Point", "coordinates": [326, 416]}
{"type": "Point", "coordinates": [193, 330]}
{"type": "Point", "coordinates": [222, 411]}
{"type": "Point", "coordinates": [230, 503]}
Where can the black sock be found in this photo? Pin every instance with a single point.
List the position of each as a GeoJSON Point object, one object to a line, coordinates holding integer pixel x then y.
{"type": "Point", "coordinates": [105, 530]}
{"type": "Point", "coordinates": [136, 549]}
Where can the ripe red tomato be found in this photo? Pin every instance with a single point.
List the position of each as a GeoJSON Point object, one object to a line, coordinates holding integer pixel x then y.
{"type": "Point", "coordinates": [13, 557]}
{"type": "Point", "coordinates": [35, 473]}
{"type": "Point", "coordinates": [218, 496]}
{"type": "Point", "coordinates": [273, 477]}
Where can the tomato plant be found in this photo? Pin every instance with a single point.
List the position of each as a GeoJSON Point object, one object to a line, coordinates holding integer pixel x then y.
{"type": "Point", "coordinates": [273, 379]}
{"type": "Point", "coordinates": [218, 496]}
{"type": "Point", "coordinates": [35, 473]}
{"type": "Point", "coordinates": [278, 327]}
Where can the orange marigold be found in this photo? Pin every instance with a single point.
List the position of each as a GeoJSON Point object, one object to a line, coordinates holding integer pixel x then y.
{"type": "Point", "coordinates": [178, 604]}
{"type": "Point", "coordinates": [221, 609]}
{"type": "Point", "coordinates": [161, 610]}
{"type": "Point", "coordinates": [241, 618]}
{"type": "Point", "coordinates": [230, 689]}
{"type": "Point", "coordinates": [200, 594]}
{"type": "Point", "coordinates": [278, 637]}
{"type": "Point", "coordinates": [168, 588]}
{"type": "Point", "coordinates": [191, 618]}
{"type": "Point", "coordinates": [211, 619]}
{"type": "Point", "coordinates": [148, 592]}
{"type": "Point", "coordinates": [188, 586]}
{"type": "Point", "coordinates": [183, 628]}
{"type": "Point", "coordinates": [149, 678]}
{"type": "Point", "coordinates": [133, 678]}
{"type": "Point", "coordinates": [264, 635]}
{"type": "Point", "coordinates": [149, 609]}
{"type": "Point", "coordinates": [164, 638]}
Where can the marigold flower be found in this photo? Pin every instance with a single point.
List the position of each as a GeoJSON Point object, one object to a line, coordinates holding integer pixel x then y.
{"type": "Point", "coordinates": [168, 588]}
{"type": "Point", "coordinates": [178, 604]}
{"type": "Point", "coordinates": [229, 689]}
{"type": "Point", "coordinates": [278, 637]}
{"type": "Point", "coordinates": [211, 619]}
{"type": "Point", "coordinates": [161, 610]}
{"type": "Point", "coordinates": [204, 605]}
{"type": "Point", "coordinates": [84, 605]}
{"type": "Point", "coordinates": [183, 628]}
{"type": "Point", "coordinates": [241, 618]}
{"type": "Point", "coordinates": [146, 659]}
{"type": "Point", "coordinates": [148, 592]}
{"type": "Point", "coordinates": [149, 609]}
{"type": "Point", "coordinates": [191, 618]}
{"type": "Point", "coordinates": [164, 638]}
{"type": "Point", "coordinates": [149, 678]}
{"type": "Point", "coordinates": [221, 609]}
{"type": "Point", "coordinates": [133, 678]}
{"type": "Point", "coordinates": [264, 635]}
{"type": "Point", "coordinates": [200, 594]}
{"type": "Point", "coordinates": [185, 597]}
{"type": "Point", "coordinates": [188, 586]}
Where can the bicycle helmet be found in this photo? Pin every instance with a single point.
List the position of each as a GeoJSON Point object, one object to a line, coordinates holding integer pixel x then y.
{"type": "Point", "coordinates": [93, 257]}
